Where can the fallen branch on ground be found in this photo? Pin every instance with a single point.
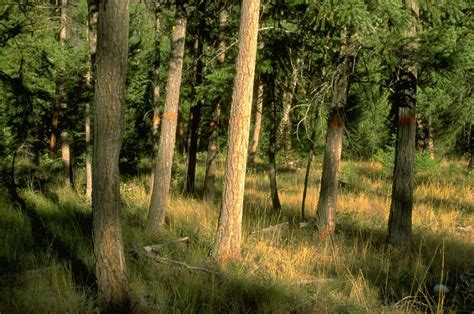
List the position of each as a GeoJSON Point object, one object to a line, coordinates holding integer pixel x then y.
{"type": "Point", "coordinates": [156, 247]}
{"type": "Point", "coordinates": [271, 228]}
{"type": "Point", "coordinates": [165, 260]}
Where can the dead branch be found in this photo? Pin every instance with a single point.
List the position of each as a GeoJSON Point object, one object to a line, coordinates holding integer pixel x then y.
{"type": "Point", "coordinates": [169, 261]}
{"type": "Point", "coordinates": [155, 247]}
{"type": "Point", "coordinates": [277, 227]}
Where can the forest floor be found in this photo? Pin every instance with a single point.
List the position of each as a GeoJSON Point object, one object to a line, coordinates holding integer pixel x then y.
{"type": "Point", "coordinates": [286, 269]}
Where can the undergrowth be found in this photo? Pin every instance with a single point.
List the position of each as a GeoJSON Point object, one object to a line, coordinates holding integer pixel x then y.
{"type": "Point", "coordinates": [287, 270]}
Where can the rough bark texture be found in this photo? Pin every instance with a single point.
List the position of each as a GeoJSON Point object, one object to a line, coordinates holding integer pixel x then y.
{"type": "Point", "coordinates": [258, 124]}
{"type": "Point", "coordinates": [228, 238]}
{"type": "Point", "coordinates": [65, 147]}
{"type": "Point", "coordinates": [93, 14]}
{"type": "Point", "coordinates": [195, 113]}
{"type": "Point", "coordinates": [60, 95]}
{"type": "Point", "coordinates": [272, 145]}
{"type": "Point", "coordinates": [404, 98]}
{"type": "Point", "coordinates": [312, 154]}
{"type": "Point", "coordinates": [109, 100]}
{"type": "Point", "coordinates": [162, 175]}
{"type": "Point", "coordinates": [284, 129]}
{"type": "Point", "coordinates": [471, 148]}
{"type": "Point", "coordinates": [327, 203]}
{"type": "Point", "coordinates": [156, 90]}
{"type": "Point", "coordinates": [210, 175]}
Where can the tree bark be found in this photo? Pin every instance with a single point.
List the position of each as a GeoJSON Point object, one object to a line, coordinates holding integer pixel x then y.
{"type": "Point", "coordinates": [327, 203]}
{"type": "Point", "coordinates": [109, 100]}
{"type": "Point", "coordinates": [156, 90]}
{"type": "Point", "coordinates": [312, 154]}
{"type": "Point", "coordinates": [284, 129]}
{"type": "Point", "coordinates": [212, 148]}
{"type": "Point", "coordinates": [471, 147]}
{"type": "Point", "coordinates": [228, 238]}
{"type": "Point", "coordinates": [258, 124]}
{"type": "Point", "coordinates": [162, 175]}
{"type": "Point", "coordinates": [65, 147]}
{"type": "Point", "coordinates": [272, 145]}
{"type": "Point", "coordinates": [404, 98]}
{"type": "Point", "coordinates": [195, 114]}
{"type": "Point", "coordinates": [93, 15]}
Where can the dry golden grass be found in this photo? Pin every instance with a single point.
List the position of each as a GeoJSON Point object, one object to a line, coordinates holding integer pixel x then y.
{"type": "Point", "coordinates": [287, 270]}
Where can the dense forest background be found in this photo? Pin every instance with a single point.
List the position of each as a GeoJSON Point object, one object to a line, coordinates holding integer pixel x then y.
{"type": "Point", "coordinates": [320, 66]}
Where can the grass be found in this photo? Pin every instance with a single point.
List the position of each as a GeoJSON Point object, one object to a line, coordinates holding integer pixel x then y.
{"type": "Point", "coordinates": [289, 270]}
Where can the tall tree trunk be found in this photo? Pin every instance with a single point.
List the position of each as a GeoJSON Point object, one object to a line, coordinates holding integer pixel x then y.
{"type": "Point", "coordinates": [272, 106]}
{"type": "Point", "coordinates": [211, 161]}
{"type": "Point", "coordinates": [404, 98]}
{"type": "Point", "coordinates": [65, 147]}
{"type": "Point", "coordinates": [109, 100]}
{"type": "Point", "coordinates": [156, 90]}
{"type": "Point", "coordinates": [284, 129]}
{"type": "Point", "coordinates": [195, 114]}
{"type": "Point", "coordinates": [312, 154]}
{"type": "Point", "coordinates": [258, 124]}
{"type": "Point", "coordinates": [93, 14]}
{"type": "Point", "coordinates": [161, 183]}
{"type": "Point", "coordinates": [181, 134]}
{"type": "Point", "coordinates": [471, 147]}
{"type": "Point", "coordinates": [327, 203]}
{"type": "Point", "coordinates": [227, 242]}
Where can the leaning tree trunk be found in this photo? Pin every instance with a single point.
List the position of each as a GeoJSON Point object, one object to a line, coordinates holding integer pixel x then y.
{"type": "Point", "coordinates": [327, 203]}
{"type": "Point", "coordinates": [211, 162]}
{"type": "Point", "coordinates": [93, 14]}
{"type": "Point", "coordinates": [272, 107]}
{"type": "Point", "coordinates": [404, 98]}
{"type": "Point", "coordinates": [312, 154]}
{"type": "Point", "coordinates": [109, 100]}
{"type": "Point", "coordinates": [156, 90]}
{"type": "Point", "coordinates": [258, 124]}
{"type": "Point", "coordinates": [195, 113]}
{"type": "Point", "coordinates": [227, 242]}
{"type": "Point", "coordinates": [162, 175]}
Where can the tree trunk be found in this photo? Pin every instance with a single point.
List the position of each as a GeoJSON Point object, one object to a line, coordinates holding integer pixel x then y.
{"type": "Point", "coordinates": [65, 147]}
{"type": "Point", "coordinates": [471, 147]}
{"type": "Point", "coordinates": [327, 203]}
{"type": "Point", "coordinates": [312, 154]}
{"type": "Point", "coordinates": [109, 100]}
{"type": "Point", "coordinates": [195, 114]}
{"type": "Point", "coordinates": [258, 124]}
{"type": "Point", "coordinates": [210, 175]}
{"type": "Point", "coordinates": [162, 175]}
{"type": "Point", "coordinates": [181, 134]}
{"type": "Point", "coordinates": [284, 129]}
{"type": "Point", "coordinates": [93, 14]}
{"type": "Point", "coordinates": [227, 243]}
{"type": "Point", "coordinates": [272, 106]}
{"type": "Point", "coordinates": [156, 90]}
{"type": "Point", "coordinates": [404, 98]}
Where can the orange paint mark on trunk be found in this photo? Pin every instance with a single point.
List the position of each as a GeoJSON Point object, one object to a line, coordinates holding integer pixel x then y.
{"type": "Point", "coordinates": [325, 233]}
{"type": "Point", "coordinates": [336, 122]}
{"type": "Point", "coordinates": [407, 119]}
